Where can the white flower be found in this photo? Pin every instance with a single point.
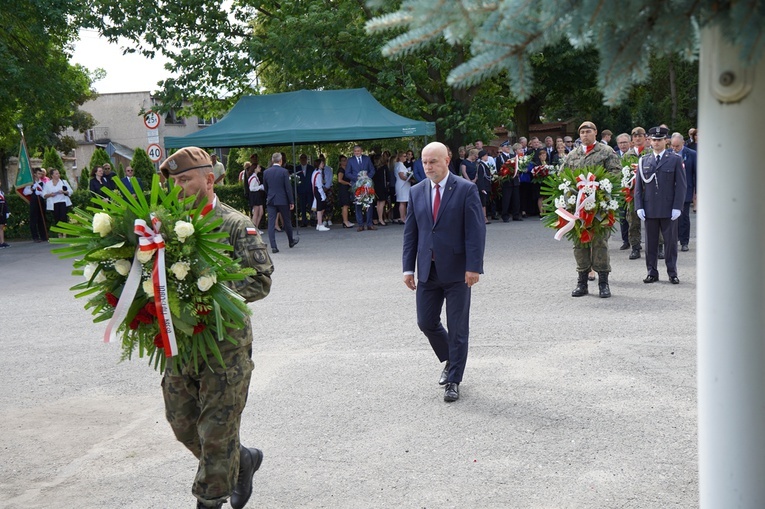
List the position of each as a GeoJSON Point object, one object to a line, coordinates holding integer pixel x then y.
{"type": "Point", "coordinates": [572, 200]}
{"type": "Point", "coordinates": [145, 256]}
{"type": "Point", "coordinates": [603, 205]}
{"type": "Point", "coordinates": [613, 205]}
{"type": "Point", "coordinates": [560, 202]}
{"type": "Point", "coordinates": [180, 269]}
{"type": "Point", "coordinates": [589, 204]}
{"type": "Point", "coordinates": [626, 171]}
{"type": "Point", "coordinates": [204, 283]}
{"type": "Point", "coordinates": [102, 224]}
{"type": "Point", "coordinates": [148, 287]}
{"type": "Point", "coordinates": [89, 270]}
{"type": "Point", "coordinates": [564, 186]}
{"type": "Point", "coordinates": [606, 185]}
{"type": "Point", "coordinates": [122, 267]}
{"type": "Point", "coordinates": [183, 230]}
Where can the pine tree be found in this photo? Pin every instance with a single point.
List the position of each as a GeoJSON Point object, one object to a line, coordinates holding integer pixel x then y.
{"type": "Point", "coordinates": [121, 170]}
{"type": "Point", "coordinates": [142, 166]}
{"type": "Point", "coordinates": [52, 159]}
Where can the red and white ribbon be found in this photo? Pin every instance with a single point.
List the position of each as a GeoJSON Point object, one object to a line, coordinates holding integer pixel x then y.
{"type": "Point", "coordinates": [583, 183]}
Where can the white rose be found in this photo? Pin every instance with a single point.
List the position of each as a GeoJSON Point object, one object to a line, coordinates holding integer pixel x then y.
{"type": "Point", "coordinates": [180, 269]}
{"type": "Point", "coordinates": [145, 256]}
{"type": "Point", "coordinates": [122, 267]}
{"type": "Point", "coordinates": [183, 230]}
{"type": "Point", "coordinates": [102, 224]}
{"type": "Point", "coordinates": [100, 278]}
{"type": "Point", "coordinates": [89, 270]}
{"type": "Point", "coordinates": [204, 283]}
{"type": "Point", "coordinates": [148, 287]}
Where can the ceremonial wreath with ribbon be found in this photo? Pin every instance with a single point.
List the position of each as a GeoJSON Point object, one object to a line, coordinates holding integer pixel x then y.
{"type": "Point", "coordinates": [629, 166]}
{"type": "Point", "coordinates": [514, 166]}
{"type": "Point", "coordinates": [583, 203]}
{"type": "Point", "coordinates": [364, 191]}
{"type": "Point", "coordinates": [156, 271]}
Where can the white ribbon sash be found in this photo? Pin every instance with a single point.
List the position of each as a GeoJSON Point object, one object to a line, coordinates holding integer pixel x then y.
{"type": "Point", "coordinates": [582, 184]}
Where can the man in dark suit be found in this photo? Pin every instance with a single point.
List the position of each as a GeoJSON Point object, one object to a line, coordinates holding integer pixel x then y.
{"type": "Point", "coordinates": [511, 194]}
{"type": "Point", "coordinates": [304, 190]}
{"type": "Point", "coordinates": [660, 188]}
{"type": "Point", "coordinates": [444, 238]}
{"type": "Point", "coordinates": [689, 162]}
{"type": "Point", "coordinates": [357, 163]}
{"type": "Point", "coordinates": [279, 199]}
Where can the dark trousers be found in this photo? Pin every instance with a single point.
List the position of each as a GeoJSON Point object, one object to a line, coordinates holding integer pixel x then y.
{"type": "Point", "coordinates": [668, 229]}
{"type": "Point", "coordinates": [511, 200]}
{"type": "Point", "coordinates": [684, 228]}
{"type": "Point", "coordinates": [305, 202]}
{"type": "Point", "coordinates": [37, 220]}
{"type": "Point", "coordinates": [360, 219]}
{"type": "Point", "coordinates": [625, 225]}
{"type": "Point", "coordinates": [451, 345]}
{"type": "Point", "coordinates": [273, 210]}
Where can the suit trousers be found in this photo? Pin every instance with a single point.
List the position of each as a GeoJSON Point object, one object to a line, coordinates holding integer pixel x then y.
{"type": "Point", "coordinates": [273, 210]}
{"type": "Point", "coordinates": [360, 219]}
{"type": "Point", "coordinates": [37, 219]}
{"type": "Point", "coordinates": [305, 201]}
{"type": "Point", "coordinates": [451, 345]}
{"type": "Point", "coordinates": [668, 229]}
{"type": "Point", "coordinates": [684, 228]}
{"type": "Point", "coordinates": [511, 200]}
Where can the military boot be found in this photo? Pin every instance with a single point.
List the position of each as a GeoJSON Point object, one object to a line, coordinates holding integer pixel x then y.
{"type": "Point", "coordinates": [200, 505]}
{"type": "Point", "coordinates": [581, 285]}
{"type": "Point", "coordinates": [249, 463]}
{"type": "Point", "coordinates": [635, 254]}
{"type": "Point", "coordinates": [603, 288]}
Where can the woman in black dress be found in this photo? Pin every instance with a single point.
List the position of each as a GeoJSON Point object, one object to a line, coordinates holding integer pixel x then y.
{"type": "Point", "coordinates": [380, 181]}
{"type": "Point", "coordinates": [343, 191]}
{"type": "Point", "coordinates": [98, 182]}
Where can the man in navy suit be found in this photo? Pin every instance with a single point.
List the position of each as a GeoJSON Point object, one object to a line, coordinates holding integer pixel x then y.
{"type": "Point", "coordinates": [279, 199]}
{"type": "Point", "coordinates": [357, 163]}
{"type": "Point", "coordinates": [444, 238]}
{"type": "Point", "coordinates": [689, 161]}
{"type": "Point", "coordinates": [660, 189]}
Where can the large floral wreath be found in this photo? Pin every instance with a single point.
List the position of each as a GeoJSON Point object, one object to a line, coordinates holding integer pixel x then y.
{"type": "Point", "coordinates": [364, 191]}
{"type": "Point", "coordinates": [155, 269]}
{"type": "Point", "coordinates": [512, 167]}
{"type": "Point", "coordinates": [629, 167]}
{"type": "Point", "coordinates": [583, 203]}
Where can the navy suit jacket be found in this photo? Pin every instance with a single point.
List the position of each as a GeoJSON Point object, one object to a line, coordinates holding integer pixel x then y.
{"type": "Point", "coordinates": [689, 160]}
{"type": "Point", "coordinates": [666, 191]}
{"type": "Point", "coordinates": [276, 183]}
{"type": "Point", "coordinates": [352, 168]}
{"type": "Point", "coordinates": [418, 171]}
{"type": "Point", "coordinates": [455, 241]}
{"type": "Point", "coordinates": [304, 187]}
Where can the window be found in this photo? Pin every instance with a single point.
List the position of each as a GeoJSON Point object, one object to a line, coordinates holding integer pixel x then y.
{"type": "Point", "coordinates": [172, 119]}
{"type": "Point", "coordinates": [206, 121]}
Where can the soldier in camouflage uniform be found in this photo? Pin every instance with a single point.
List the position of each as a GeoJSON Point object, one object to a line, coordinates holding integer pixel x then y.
{"type": "Point", "coordinates": [204, 405]}
{"type": "Point", "coordinates": [593, 256]}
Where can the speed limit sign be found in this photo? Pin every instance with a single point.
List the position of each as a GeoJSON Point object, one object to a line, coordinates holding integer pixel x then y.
{"type": "Point", "coordinates": [151, 120]}
{"type": "Point", "coordinates": [155, 152]}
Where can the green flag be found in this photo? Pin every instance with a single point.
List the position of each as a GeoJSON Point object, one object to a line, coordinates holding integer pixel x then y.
{"type": "Point", "coordinates": [24, 178]}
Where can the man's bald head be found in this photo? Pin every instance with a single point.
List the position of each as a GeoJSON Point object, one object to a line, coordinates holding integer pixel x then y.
{"type": "Point", "coordinates": [435, 161]}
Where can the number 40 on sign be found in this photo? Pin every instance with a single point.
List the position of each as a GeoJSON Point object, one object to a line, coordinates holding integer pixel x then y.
{"type": "Point", "coordinates": [155, 152]}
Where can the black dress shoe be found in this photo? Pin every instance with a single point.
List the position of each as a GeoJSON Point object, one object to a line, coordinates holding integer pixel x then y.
{"type": "Point", "coordinates": [625, 246]}
{"type": "Point", "coordinates": [452, 392]}
{"type": "Point", "coordinates": [274, 250]}
{"type": "Point", "coordinates": [651, 279]}
{"type": "Point", "coordinates": [661, 252]}
{"type": "Point", "coordinates": [684, 247]}
{"type": "Point", "coordinates": [294, 243]}
{"type": "Point", "coordinates": [249, 463]}
{"type": "Point", "coordinates": [444, 374]}
{"type": "Point", "coordinates": [635, 254]}
{"type": "Point", "coordinates": [200, 505]}
{"type": "Point", "coordinates": [674, 280]}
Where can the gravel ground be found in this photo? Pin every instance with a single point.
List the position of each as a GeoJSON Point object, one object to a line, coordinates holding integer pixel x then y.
{"type": "Point", "coordinates": [566, 403]}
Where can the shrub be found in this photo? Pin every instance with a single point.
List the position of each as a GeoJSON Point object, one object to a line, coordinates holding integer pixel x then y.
{"type": "Point", "coordinates": [52, 159]}
{"type": "Point", "coordinates": [234, 167]}
{"type": "Point", "coordinates": [142, 166]}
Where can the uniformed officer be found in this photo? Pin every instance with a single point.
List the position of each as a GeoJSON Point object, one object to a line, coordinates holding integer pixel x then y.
{"type": "Point", "coordinates": [204, 405]}
{"type": "Point", "coordinates": [660, 188]}
{"type": "Point", "coordinates": [592, 256]}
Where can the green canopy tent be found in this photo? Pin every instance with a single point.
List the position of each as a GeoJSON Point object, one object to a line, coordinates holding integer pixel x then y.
{"type": "Point", "coordinates": [306, 116]}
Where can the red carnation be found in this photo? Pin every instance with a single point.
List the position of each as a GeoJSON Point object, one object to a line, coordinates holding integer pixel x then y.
{"type": "Point", "coordinates": [134, 324]}
{"type": "Point", "coordinates": [203, 311]}
{"type": "Point", "coordinates": [585, 236]}
{"type": "Point", "coordinates": [111, 299]}
{"type": "Point", "coordinates": [158, 341]}
{"type": "Point", "coordinates": [199, 328]}
{"type": "Point", "coordinates": [150, 308]}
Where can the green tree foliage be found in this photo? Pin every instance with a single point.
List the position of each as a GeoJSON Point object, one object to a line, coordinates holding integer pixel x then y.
{"type": "Point", "coordinates": [142, 166]}
{"type": "Point", "coordinates": [39, 88]}
{"type": "Point", "coordinates": [99, 158]}
{"type": "Point", "coordinates": [120, 170]}
{"type": "Point", "coordinates": [233, 167]}
{"type": "Point", "coordinates": [52, 159]}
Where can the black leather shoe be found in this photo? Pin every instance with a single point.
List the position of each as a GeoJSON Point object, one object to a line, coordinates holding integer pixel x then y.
{"type": "Point", "coordinates": [661, 252]}
{"type": "Point", "coordinates": [651, 279]}
{"type": "Point", "coordinates": [294, 243]}
{"type": "Point", "coordinates": [674, 280]}
{"type": "Point", "coordinates": [249, 463]}
{"type": "Point", "coordinates": [625, 246]}
{"type": "Point", "coordinates": [452, 392]}
{"type": "Point", "coordinates": [444, 374]}
{"type": "Point", "coordinates": [684, 247]}
{"type": "Point", "coordinates": [200, 505]}
{"type": "Point", "coordinates": [635, 254]}
{"type": "Point", "coordinates": [274, 250]}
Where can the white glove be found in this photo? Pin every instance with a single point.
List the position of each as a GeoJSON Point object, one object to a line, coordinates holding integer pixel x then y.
{"type": "Point", "coordinates": [641, 214]}
{"type": "Point", "coordinates": [675, 214]}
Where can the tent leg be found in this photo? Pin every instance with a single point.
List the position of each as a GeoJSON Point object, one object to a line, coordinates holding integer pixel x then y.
{"type": "Point", "coordinates": [294, 190]}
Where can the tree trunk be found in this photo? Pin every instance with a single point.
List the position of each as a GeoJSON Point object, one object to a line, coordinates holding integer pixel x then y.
{"type": "Point", "coordinates": [525, 114]}
{"type": "Point", "coordinates": [731, 279]}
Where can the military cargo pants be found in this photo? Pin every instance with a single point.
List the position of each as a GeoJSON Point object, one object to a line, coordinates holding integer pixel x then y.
{"type": "Point", "coordinates": [634, 231]}
{"type": "Point", "coordinates": [593, 256]}
{"type": "Point", "coordinates": [204, 409]}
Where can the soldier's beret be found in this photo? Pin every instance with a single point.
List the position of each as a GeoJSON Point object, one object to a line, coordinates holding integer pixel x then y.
{"type": "Point", "coordinates": [187, 158]}
{"type": "Point", "coordinates": [658, 133]}
{"type": "Point", "coordinates": [587, 125]}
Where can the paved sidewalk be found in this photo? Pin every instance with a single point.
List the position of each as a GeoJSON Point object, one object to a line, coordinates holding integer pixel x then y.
{"type": "Point", "coordinates": [566, 403]}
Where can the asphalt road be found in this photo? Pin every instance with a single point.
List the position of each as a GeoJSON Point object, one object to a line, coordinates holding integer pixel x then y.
{"type": "Point", "coordinates": [566, 403]}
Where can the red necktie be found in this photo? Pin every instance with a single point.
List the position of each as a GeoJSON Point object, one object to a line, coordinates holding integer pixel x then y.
{"type": "Point", "coordinates": [436, 203]}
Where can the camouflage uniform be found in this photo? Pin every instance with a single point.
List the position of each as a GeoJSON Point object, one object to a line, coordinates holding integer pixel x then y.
{"type": "Point", "coordinates": [204, 409]}
{"type": "Point", "coordinates": [595, 255]}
